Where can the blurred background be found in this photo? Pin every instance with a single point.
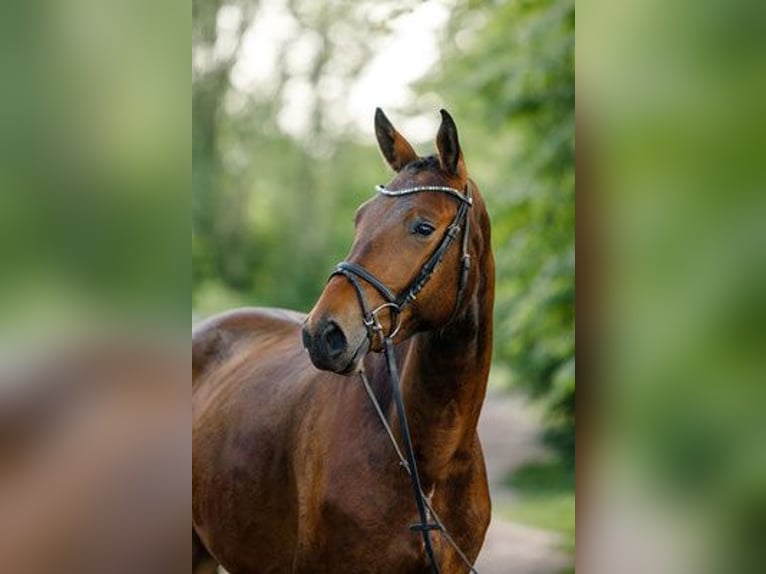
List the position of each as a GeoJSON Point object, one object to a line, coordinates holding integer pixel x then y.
{"type": "Point", "coordinates": [283, 152]}
{"type": "Point", "coordinates": [671, 233]}
{"type": "Point", "coordinates": [95, 424]}
{"type": "Point", "coordinates": [95, 126]}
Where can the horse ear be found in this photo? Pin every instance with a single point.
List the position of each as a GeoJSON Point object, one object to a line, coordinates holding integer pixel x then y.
{"type": "Point", "coordinates": [449, 147]}
{"type": "Point", "coordinates": [397, 150]}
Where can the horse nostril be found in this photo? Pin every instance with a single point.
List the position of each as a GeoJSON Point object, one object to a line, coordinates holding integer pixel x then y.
{"type": "Point", "coordinates": [334, 339]}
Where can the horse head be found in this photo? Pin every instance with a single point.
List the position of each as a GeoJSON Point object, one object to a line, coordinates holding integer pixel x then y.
{"type": "Point", "coordinates": [389, 284]}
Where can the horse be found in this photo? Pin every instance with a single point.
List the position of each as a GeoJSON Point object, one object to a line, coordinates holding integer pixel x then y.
{"type": "Point", "coordinates": [292, 469]}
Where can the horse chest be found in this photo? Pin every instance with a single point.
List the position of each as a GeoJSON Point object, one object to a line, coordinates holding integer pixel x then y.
{"type": "Point", "coordinates": [363, 525]}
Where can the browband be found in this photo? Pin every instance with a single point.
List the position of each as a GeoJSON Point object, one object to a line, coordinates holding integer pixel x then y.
{"type": "Point", "coordinates": [464, 197]}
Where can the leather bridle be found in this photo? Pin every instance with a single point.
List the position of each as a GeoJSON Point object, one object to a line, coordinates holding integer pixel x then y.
{"type": "Point", "coordinates": [396, 303]}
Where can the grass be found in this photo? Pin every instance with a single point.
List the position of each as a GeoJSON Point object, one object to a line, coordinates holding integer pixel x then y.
{"type": "Point", "coordinates": [546, 499]}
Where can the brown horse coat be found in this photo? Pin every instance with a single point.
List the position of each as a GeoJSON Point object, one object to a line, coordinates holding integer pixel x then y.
{"type": "Point", "coordinates": [292, 471]}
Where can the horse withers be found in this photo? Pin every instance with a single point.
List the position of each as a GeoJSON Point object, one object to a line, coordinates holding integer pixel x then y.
{"type": "Point", "coordinates": [292, 469]}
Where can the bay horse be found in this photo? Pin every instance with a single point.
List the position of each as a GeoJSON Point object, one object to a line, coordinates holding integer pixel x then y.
{"type": "Point", "coordinates": [292, 470]}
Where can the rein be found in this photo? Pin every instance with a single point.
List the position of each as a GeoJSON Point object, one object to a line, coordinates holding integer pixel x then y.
{"type": "Point", "coordinates": [396, 303]}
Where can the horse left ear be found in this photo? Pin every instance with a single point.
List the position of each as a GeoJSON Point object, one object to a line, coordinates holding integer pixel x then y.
{"type": "Point", "coordinates": [450, 156]}
{"type": "Point", "coordinates": [397, 150]}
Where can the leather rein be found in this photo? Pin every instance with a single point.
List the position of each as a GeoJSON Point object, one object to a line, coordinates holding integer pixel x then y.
{"type": "Point", "coordinates": [396, 303]}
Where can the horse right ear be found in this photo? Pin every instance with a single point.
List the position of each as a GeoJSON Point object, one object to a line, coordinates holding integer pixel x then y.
{"type": "Point", "coordinates": [397, 150]}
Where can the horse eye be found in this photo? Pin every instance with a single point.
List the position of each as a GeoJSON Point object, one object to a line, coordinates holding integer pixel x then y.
{"type": "Point", "coordinates": [424, 229]}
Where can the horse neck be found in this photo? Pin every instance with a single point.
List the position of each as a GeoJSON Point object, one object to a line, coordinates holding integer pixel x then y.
{"type": "Point", "coordinates": [444, 380]}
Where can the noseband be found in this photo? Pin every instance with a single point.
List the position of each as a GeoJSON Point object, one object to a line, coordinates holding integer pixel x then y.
{"type": "Point", "coordinates": [396, 304]}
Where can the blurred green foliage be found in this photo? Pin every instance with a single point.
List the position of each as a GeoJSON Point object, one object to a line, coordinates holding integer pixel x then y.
{"type": "Point", "coordinates": [272, 211]}
{"type": "Point", "coordinates": [94, 176]}
{"type": "Point", "coordinates": [680, 136]}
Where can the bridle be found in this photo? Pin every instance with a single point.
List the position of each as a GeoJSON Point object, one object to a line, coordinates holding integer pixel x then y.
{"type": "Point", "coordinates": [397, 303]}
{"type": "Point", "coordinates": [355, 273]}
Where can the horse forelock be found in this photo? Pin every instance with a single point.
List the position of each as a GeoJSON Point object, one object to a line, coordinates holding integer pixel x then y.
{"type": "Point", "coordinates": [430, 162]}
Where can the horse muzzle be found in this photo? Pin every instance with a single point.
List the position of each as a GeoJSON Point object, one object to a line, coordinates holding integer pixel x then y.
{"type": "Point", "coordinates": [329, 347]}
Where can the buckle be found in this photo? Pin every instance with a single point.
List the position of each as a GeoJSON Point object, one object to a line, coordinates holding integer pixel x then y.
{"type": "Point", "coordinates": [397, 313]}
